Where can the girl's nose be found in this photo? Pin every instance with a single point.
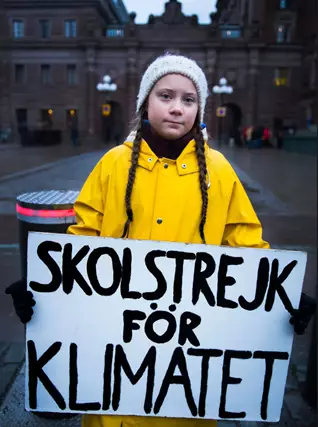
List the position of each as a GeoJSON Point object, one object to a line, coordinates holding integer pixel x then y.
{"type": "Point", "coordinates": [176, 107]}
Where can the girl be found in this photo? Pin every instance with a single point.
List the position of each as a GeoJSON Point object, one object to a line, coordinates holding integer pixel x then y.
{"type": "Point", "coordinates": [164, 183]}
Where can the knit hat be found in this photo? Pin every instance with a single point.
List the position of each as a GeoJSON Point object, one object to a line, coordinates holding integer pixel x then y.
{"type": "Point", "coordinates": [174, 64]}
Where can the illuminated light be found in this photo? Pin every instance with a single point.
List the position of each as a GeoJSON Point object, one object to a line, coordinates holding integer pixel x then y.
{"type": "Point", "coordinates": [106, 86]}
{"type": "Point", "coordinates": [50, 111]}
{"type": "Point", "coordinates": [72, 112]}
{"type": "Point", "coordinates": [280, 81]}
{"type": "Point", "coordinates": [45, 213]}
{"type": "Point", "coordinates": [106, 109]}
{"type": "Point", "coordinates": [280, 29]}
{"type": "Point", "coordinates": [228, 33]}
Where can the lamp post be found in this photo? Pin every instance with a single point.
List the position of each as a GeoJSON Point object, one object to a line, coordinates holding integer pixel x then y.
{"type": "Point", "coordinates": [106, 86]}
{"type": "Point", "coordinates": [221, 89]}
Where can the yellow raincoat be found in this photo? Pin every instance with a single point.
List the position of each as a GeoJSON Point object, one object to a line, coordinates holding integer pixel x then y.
{"type": "Point", "coordinates": [166, 203]}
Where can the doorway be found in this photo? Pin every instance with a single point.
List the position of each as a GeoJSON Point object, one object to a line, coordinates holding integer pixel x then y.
{"type": "Point", "coordinates": [22, 117]}
{"type": "Point", "coordinates": [112, 124]}
{"type": "Point", "coordinates": [233, 122]}
{"type": "Point", "coordinates": [47, 118]}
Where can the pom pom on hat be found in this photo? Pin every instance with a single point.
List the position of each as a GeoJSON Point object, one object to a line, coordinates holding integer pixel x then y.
{"type": "Point", "coordinates": [174, 64]}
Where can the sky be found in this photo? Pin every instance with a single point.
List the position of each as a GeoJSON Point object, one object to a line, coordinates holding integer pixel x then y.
{"type": "Point", "coordinates": [144, 8]}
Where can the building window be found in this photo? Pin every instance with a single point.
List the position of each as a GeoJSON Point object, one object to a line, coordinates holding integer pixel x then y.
{"type": "Point", "coordinates": [281, 77]}
{"type": "Point", "coordinates": [19, 74]}
{"type": "Point", "coordinates": [70, 28]}
{"type": "Point", "coordinates": [45, 29]}
{"type": "Point", "coordinates": [115, 32]}
{"type": "Point", "coordinates": [18, 29]}
{"type": "Point", "coordinates": [283, 4]}
{"type": "Point", "coordinates": [71, 74]}
{"type": "Point", "coordinates": [282, 34]}
{"type": "Point", "coordinates": [45, 74]}
{"type": "Point", "coordinates": [231, 32]}
{"type": "Point", "coordinates": [231, 75]}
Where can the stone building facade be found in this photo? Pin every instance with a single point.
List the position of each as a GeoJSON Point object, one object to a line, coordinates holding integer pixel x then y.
{"type": "Point", "coordinates": [54, 53]}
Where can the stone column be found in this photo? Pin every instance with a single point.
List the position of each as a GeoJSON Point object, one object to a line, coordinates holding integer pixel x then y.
{"type": "Point", "coordinates": [315, 106]}
{"type": "Point", "coordinates": [92, 112]}
{"type": "Point", "coordinates": [253, 78]}
{"type": "Point", "coordinates": [132, 86]}
{"type": "Point", "coordinates": [5, 113]}
{"type": "Point", "coordinates": [5, 74]}
{"type": "Point", "coordinates": [210, 112]}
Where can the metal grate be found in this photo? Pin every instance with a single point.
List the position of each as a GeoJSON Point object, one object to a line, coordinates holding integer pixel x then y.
{"type": "Point", "coordinates": [50, 199]}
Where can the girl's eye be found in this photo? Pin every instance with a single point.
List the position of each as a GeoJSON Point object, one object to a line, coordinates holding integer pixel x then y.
{"type": "Point", "coordinates": [165, 96]}
{"type": "Point", "coordinates": [189, 100]}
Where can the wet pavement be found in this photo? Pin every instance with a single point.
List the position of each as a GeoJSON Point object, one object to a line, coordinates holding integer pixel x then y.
{"type": "Point", "coordinates": [16, 159]}
{"type": "Point", "coordinates": [281, 186]}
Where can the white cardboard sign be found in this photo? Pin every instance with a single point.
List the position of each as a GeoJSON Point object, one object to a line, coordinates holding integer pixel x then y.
{"type": "Point", "coordinates": [130, 327]}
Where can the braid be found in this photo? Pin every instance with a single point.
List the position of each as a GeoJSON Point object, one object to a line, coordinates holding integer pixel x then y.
{"type": "Point", "coordinates": [132, 176]}
{"type": "Point", "coordinates": [202, 175]}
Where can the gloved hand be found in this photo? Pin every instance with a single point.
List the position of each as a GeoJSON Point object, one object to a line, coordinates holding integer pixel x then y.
{"type": "Point", "coordinates": [22, 300]}
{"type": "Point", "coordinates": [302, 316]}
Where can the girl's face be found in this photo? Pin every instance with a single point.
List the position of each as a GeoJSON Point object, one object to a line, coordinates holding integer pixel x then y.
{"type": "Point", "coordinates": [173, 106]}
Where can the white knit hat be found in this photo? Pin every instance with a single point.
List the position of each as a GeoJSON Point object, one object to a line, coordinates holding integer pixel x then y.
{"type": "Point", "coordinates": [173, 64]}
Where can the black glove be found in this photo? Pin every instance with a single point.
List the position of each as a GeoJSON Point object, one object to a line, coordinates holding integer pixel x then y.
{"type": "Point", "coordinates": [301, 317]}
{"type": "Point", "coordinates": [22, 300]}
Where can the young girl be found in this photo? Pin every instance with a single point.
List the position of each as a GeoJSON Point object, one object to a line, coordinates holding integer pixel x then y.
{"type": "Point", "coordinates": [164, 183]}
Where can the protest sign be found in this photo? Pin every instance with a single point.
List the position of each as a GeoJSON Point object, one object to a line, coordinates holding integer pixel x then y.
{"type": "Point", "coordinates": [130, 327]}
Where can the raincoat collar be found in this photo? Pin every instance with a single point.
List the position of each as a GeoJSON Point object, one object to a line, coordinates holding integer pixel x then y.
{"type": "Point", "coordinates": [186, 163]}
{"type": "Point", "coordinates": [163, 147]}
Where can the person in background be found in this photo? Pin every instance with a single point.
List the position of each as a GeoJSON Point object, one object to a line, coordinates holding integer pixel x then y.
{"type": "Point", "coordinates": [266, 138]}
{"type": "Point", "coordinates": [280, 138]}
{"type": "Point", "coordinates": [73, 125]}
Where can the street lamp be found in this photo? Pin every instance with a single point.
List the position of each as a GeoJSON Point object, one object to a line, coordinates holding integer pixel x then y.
{"type": "Point", "coordinates": [106, 86]}
{"type": "Point", "coordinates": [221, 89]}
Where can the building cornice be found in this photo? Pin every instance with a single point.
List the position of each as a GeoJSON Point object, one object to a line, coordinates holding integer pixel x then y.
{"type": "Point", "coordinates": [105, 8]}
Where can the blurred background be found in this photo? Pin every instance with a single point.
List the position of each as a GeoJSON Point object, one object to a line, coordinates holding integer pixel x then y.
{"type": "Point", "coordinates": [53, 55]}
{"type": "Point", "coordinates": [69, 77]}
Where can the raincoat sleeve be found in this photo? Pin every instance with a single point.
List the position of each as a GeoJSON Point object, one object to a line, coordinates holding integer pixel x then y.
{"type": "Point", "coordinates": [89, 206]}
{"type": "Point", "coordinates": [243, 228]}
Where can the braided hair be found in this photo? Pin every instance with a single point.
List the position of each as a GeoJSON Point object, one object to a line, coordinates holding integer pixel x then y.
{"type": "Point", "coordinates": [200, 152]}
{"type": "Point", "coordinates": [132, 170]}
{"type": "Point", "coordinates": [197, 132]}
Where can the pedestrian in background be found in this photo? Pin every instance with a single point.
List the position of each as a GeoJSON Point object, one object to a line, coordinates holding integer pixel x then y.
{"type": "Point", "coordinates": [280, 138]}
{"type": "Point", "coordinates": [74, 136]}
{"type": "Point", "coordinates": [73, 127]}
{"type": "Point", "coordinates": [163, 183]}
